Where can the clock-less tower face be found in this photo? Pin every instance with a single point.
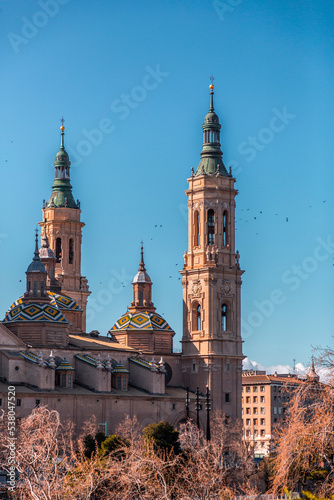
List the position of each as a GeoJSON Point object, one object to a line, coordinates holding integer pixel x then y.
{"type": "Point", "coordinates": [211, 279]}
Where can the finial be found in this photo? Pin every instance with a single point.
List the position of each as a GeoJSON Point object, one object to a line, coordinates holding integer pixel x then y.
{"type": "Point", "coordinates": [211, 87]}
{"type": "Point", "coordinates": [36, 256]}
{"type": "Point", "coordinates": [142, 265]}
{"type": "Point", "coordinates": [45, 238]}
{"type": "Point", "coordinates": [62, 128]}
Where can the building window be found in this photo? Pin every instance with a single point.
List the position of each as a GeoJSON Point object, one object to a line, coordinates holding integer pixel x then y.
{"type": "Point", "coordinates": [173, 406]}
{"type": "Point", "coordinates": [255, 410]}
{"type": "Point", "coordinates": [263, 421]}
{"type": "Point", "coordinates": [69, 381]}
{"type": "Point", "coordinates": [254, 399]}
{"type": "Point", "coordinates": [227, 397]}
{"type": "Point", "coordinates": [18, 402]}
{"type": "Point", "coordinates": [255, 388]}
{"type": "Point", "coordinates": [262, 432]}
{"type": "Point", "coordinates": [256, 433]}
{"type": "Point", "coordinates": [63, 379]}
{"type": "Point", "coordinates": [254, 421]}
{"type": "Point", "coordinates": [247, 411]}
{"type": "Point", "coordinates": [248, 432]}
{"type": "Point", "coordinates": [58, 249]}
{"type": "Point", "coordinates": [224, 317]}
{"type": "Point", "coordinates": [275, 388]}
{"type": "Point", "coordinates": [262, 388]}
{"type": "Point", "coordinates": [279, 410]}
{"type": "Point", "coordinates": [194, 367]}
{"type": "Point", "coordinates": [141, 297]}
{"type": "Point", "coordinates": [211, 227]}
{"type": "Point", "coordinates": [70, 251]}
{"type": "Point", "coordinates": [248, 421]}
{"type": "Point", "coordinates": [247, 399]}
{"type": "Point", "coordinates": [275, 410]}
{"type": "Point", "coordinates": [275, 420]}
{"type": "Point", "coordinates": [34, 291]}
{"type": "Point", "coordinates": [262, 399]}
{"type": "Point", "coordinates": [227, 367]}
{"type": "Point", "coordinates": [125, 385]}
{"type": "Point", "coordinates": [225, 228]}
{"type": "Point", "coordinates": [248, 389]}
{"type": "Point", "coordinates": [119, 383]}
{"type": "Point", "coordinates": [37, 402]}
{"type": "Point", "coordinates": [0, 401]}
{"type": "Point", "coordinates": [262, 411]}
{"type": "Point", "coordinates": [196, 229]}
{"type": "Point", "coordinates": [196, 316]}
{"type": "Point", "coordinates": [275, 399]}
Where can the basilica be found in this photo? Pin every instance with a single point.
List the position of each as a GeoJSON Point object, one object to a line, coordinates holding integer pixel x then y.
{"type": "Point", "coordinates": [50, 358]}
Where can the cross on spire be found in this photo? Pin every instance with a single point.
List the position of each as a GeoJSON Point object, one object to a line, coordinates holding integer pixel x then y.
{"type": "Point", "coordinates": [211, 79]}
{"type": "Point", "coordinates": [62, 121]}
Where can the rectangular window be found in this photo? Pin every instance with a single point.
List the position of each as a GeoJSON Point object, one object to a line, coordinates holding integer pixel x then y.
{"type": "Point", "coordinates": [263, 422]}
{"type": "Point", "coordinates": [254, 421]}
{"type": "Point", "coordinates": [254, 399]}
{"type": "Point", "coordinates": [248, 399]}
{"type": "Point", "coordinates": [279, 410]}
{"type": "Point", "coordinates": [247, 411]}
{"type": "Point", "coordinates": [262, 388]}
{"type": "Point", "coordinates": [248, 421]}
{"type": "Point", "coordinates": [247, 388]}
{"type": "Point", "coordinates": [125, 383]}
{"type": "Point", "coordinates": [69, 381]}
{"type": "Point", "coordinates": [274, 388]}
{"type": "Point", "coordinates": [255, 388]}
{"type": "Point", "coordinates": [173, 406]}
{"type": "Point", "coordinates": [262, 399]}
{"type": "Point", "coordinates": [37, 402]}
{"type": "Point", "coordinates": [256, 433]}
{"type": "Point", "coordinates": [141, 297]}
{"type": "Point", "coordinates": [227, 397]}
{"type": "Point", "coordinates": [275, 410]}
{"type": "Point", "coordinates": [248, 433]}
{"type": "Point", "coordinates": [255, 410]}
{"type": "Point", "coordinates": [63, 379]}
{"type": "Point", "coordinates": [262, 433]}
{"type": "Point", "coordinates": [227, 367]}
{"type": "Point", "coordinates": [119, 383]}
{"type": "Point", "coordinates": [262, 410]}
{"type": "Point", "coordinates": [18, 402]}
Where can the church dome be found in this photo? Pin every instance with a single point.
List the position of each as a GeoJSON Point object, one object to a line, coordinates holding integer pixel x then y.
{"type": "Point", "coordinates": [21, 311]}
{"type": "Point", "coordinates": [142, 277]}
{"type": "Point", "coordinates": [34, 311]}
{"type": "Point", "coordinates": [211, 117]}
{"type": "Point", "coordinates": [36, 266]}
{"type": "Point", "coordinates": [141, 321]}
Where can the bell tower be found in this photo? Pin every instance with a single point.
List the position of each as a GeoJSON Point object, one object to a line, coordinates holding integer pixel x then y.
{"type": "Point", "coordinates": [211, 279]}
{"type": "Point", "coordinates": [63, 230]}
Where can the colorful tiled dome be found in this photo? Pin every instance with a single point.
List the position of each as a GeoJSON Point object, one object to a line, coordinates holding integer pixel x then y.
{"type": "Point", "coordinates": [34, 311]}
{"type": "Point", "coordinates": [141, 321]}
{"type": "Point", "coordinates": [41, 311]}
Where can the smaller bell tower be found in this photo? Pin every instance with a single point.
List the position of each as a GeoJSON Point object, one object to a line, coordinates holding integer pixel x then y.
{"type": "Point", "coordinates": [63, 229]}
{"type": "Point", "coordinates": [211, 279]}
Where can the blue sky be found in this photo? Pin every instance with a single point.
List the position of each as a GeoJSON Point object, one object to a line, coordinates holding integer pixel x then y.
{"type": "Point", "coordinates": [273, 68]}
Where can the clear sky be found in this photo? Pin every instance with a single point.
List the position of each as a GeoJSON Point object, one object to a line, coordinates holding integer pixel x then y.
{"type": "Point", "coordinates": [131, 80]}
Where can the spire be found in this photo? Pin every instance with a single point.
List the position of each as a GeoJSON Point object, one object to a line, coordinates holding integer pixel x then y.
{"type": "Point", "coordinates": [142, 265]}
{"type": "Point", "coordinates": [36, 265]}
{"type": "Point", "coordinates": [211, 156]}
{"type": "Point", "coordinates": [36, 255]}
{"type": "Point", "coordinates": [62, 190]}
{"type": "Point", "coordinates": [45, 240]}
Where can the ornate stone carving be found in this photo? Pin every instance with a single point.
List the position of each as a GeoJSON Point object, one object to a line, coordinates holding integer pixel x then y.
{"type": "Point", "coordinates": [226, 287]}
{"type": "Point", "coordinates": [196, 289]}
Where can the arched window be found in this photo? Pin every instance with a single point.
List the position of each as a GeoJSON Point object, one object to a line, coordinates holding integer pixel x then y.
{"type": "Point", "coordinates": [211, 227]}
{"type": "Point", "coordinates": [224, 317]}
{"type": "Point", "coordinates": [225, 228]}
{"type": "Point", "coordinates": [198, 317]}
{"type": "Point", "coordinates": [58, 249]}
{"type": "Point", "coordinates": [70, 251]}
{"type": "Point", "coordinates": [196, 229]}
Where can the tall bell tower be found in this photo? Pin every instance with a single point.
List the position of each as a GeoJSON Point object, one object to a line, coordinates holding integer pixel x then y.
{"type": "Point", "coordinates": [211, 279]}
{"type": "Point", "coordinates": [61, 221]}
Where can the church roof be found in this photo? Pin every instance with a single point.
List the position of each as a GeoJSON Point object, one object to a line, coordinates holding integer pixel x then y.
{"type": "Point", "coordinates": [34, 311]}
{"type": "Point", "coordinates": [141, 321]}
{"type": "Point", "coordinates": [57, 300]}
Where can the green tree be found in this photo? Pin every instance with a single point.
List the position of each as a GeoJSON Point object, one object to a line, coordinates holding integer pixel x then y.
{"type": "Point", "coordinates": [163, 436]}
{"type": "Point", "coordinates": [114, 445]}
